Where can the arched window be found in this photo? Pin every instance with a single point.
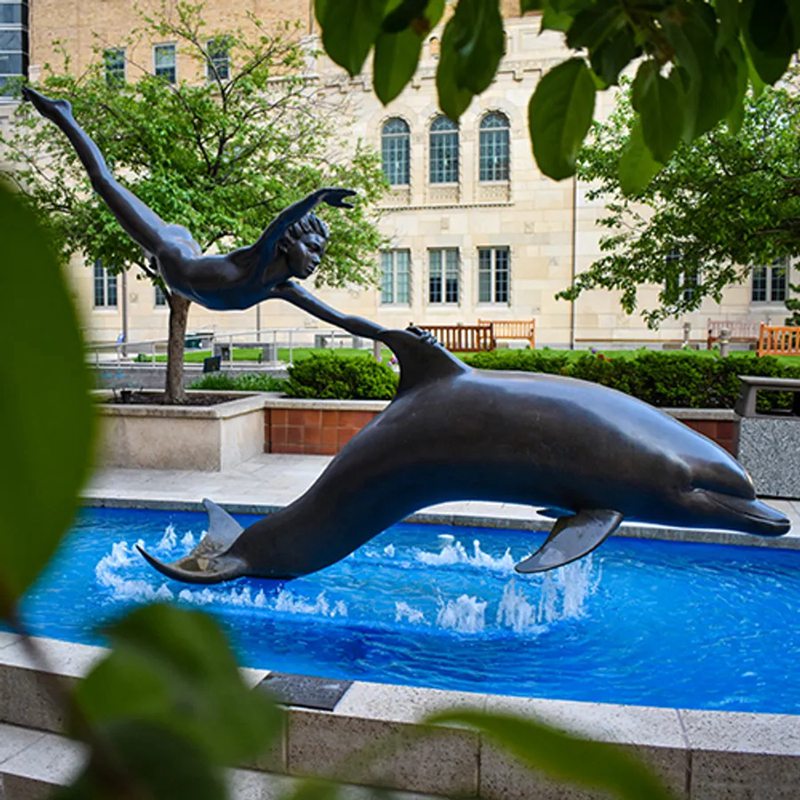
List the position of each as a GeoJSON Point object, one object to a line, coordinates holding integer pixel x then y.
{"type": "Point", "coordinates": [443, 151]}
{"type": "Point", "coordinates": [395, 151]}
{"type": "Point", "coordinates": [494, 147]}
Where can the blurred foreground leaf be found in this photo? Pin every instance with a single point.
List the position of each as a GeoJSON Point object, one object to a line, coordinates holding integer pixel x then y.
{"type": "Point", "coordinates": [142, 761]}
{"type": "Point", "coordinates": [173, 669]}
{"type": "Point", "coordinates": [562, 756]}
{"type": "Point", "coordinates": [44, 402]}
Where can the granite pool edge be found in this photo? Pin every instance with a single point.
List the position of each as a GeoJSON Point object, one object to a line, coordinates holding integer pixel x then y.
{"type": "Point", "coordinates": [699, 754]}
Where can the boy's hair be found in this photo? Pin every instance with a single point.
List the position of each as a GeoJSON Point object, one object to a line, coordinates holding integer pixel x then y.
{"type": "Point", "coordinates": [310, 223]}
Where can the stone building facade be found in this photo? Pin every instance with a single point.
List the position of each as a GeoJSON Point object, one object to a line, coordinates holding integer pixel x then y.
{"type": "Point", "coordinates": [475, 230]}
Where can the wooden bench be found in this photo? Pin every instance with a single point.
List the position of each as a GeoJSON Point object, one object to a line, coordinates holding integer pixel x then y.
{"type": "Point", "coordinates": [752, 384]}
{"type": "Point", "coordinates": [522, 329]}
{"type": "Point", "coordinates": [778, 340]}
{"type": "Point", "coordinates": [463, 338]}
{"type": "Point", "coordinates": [740, 331]}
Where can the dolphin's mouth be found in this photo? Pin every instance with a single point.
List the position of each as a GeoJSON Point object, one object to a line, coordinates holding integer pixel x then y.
{"type": "Point", "coordinates": [750, 515]}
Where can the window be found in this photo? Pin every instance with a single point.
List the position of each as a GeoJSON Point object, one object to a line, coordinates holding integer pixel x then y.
{"type": "Point", "coordinates": [443, 151]}
{"type": "Point", "coordinates": [105, 287]}
{"type": "Point", "coordinates": [160, 298]}
{"type": "Point", "coordinates": [114, 60]}
{"type": "Point", "coordinates": [684, 281]}
{"type": "Point", "coordinates": [443, 275]}
{"type": "Point", "coordinates": [770, 283]}
{"type": "Point", "coordinates": [14, 49]}
{"type": "Point", "coordinates": [395, 276]}
{"type": "Point", "coordinates": [219, 61]}
{"type": "Point", "coordinates": [493, 275]}
{"type": "Point", "coordinates": [164, 62]}
{"type": "Point", "coordinates": [494, 148]}
{"type": "Point", "coordinates": [396, 151]}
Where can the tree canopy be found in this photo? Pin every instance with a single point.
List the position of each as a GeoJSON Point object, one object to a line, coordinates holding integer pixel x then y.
{"type": "Point", "coordinates": [221, 155]}
{"type": "Point", "coordinates": [727, 201]}
{"type": "Point", "coordinates": [696, 59]}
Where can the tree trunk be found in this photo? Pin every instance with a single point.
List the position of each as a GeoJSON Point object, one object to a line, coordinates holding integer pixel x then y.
{"type": "Point", "coordinates": [178, 316]}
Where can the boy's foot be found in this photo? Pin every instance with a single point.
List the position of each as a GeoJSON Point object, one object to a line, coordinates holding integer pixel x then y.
{"type": "Point", "coordinates": [46, 106]}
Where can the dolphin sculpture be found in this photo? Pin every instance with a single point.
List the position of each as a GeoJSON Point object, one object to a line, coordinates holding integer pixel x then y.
{"type": "Point", "coordinates": [591, 455]}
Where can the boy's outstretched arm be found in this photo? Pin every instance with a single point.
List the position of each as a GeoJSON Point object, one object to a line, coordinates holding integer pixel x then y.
{"type": "Point", "coordinates": [299, 296]}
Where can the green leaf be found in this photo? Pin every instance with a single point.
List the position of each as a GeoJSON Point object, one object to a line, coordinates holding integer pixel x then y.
{"type": "Point", "coordinates": [554, 20]}
{"type": "Point", "coordinates": [613, 55]}
{"type": "Point", "coordinates": [173, 668]}
{"type": "Point", "coordinates": [478, 41]}
{"type": "Point", "coordinates": [637, 167]}
{"type": "Point", "coordinates": [530, 5]}
{"type": "Point", "coordinates": [46, 443]}
{"type": "Point", "coordinates": [349, 29]}
{"type": "Point", "coordinates": [710, 78]}
{"type": "Point", "coordinates": [402, 15]}
{"type": "Point", "coordinates": [396, 58]}
{"type": "Point", "coordinates": [728, 16]}
{"type": "Point", "coordinates": [453, 98]}
{"type": "Point", "coordinates": [559, 115]}
{"type": "Point", "coordinates": [596, 24]}
{"type": "Point", "coordinates": [770, 36]}
{"type": "Point", "coordinates": [139, 759]}
{"type": "Point", "coordinates": [563, 756]}
{"type": "Point", "coordinates": [659, 105]}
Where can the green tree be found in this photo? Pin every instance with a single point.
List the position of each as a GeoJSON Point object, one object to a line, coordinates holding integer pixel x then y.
{"type": "Point", "coordinates": [695, 59]}
{"type": "Point", "coordinates": [727, 201]}
{"type": "Point", "coordinates": [221, 157]}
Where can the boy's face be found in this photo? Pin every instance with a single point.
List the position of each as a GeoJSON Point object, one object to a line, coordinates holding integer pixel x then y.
{"type": "Point", "coordinates": [304, 254]}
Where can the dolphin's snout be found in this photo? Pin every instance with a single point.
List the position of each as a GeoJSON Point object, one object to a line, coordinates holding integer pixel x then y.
{"type": "Point", "coordinates": [751, 516]}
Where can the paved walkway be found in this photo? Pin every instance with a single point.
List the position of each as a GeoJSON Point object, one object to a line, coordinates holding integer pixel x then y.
{"type": "Point", "coordinates": [274, 480]}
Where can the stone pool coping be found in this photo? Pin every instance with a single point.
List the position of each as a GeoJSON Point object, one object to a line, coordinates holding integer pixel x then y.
{"type": "Point", "coordinates": [700, 754]}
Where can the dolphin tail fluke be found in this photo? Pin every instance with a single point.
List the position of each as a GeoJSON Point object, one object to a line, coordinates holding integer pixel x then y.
{"type": "Point", "coordinates": [572, 538]}
{"type": "Point", "coordinates": [210, 561]}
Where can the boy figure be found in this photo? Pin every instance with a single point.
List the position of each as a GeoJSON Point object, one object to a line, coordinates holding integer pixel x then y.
{"type": "Point", "coordinates": [291, 246]}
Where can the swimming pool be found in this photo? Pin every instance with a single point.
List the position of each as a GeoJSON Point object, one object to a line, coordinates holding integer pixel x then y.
{"type": "Point", "coordinates": [639, 622]}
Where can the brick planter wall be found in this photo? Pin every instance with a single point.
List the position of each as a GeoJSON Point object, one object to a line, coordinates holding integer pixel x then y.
{"type": "Point", "coordinates": [721, 425]}
{"type": "Point", "coordinates": [315, 427]}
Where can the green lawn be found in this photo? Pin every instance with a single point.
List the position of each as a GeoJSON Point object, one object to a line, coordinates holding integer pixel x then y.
{"type": "Point", "coordinates": [252, 354]}
{"type": "Point", "coordinates": [299, 353]}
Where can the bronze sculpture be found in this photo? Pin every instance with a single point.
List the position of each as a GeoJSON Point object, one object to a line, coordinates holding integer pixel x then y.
{"type": "Point", "coordinates": [593, 456]}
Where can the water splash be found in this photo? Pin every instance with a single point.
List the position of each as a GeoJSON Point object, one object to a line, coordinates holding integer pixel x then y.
{"type": "Point", "coordinates": [464, 615]}
{"type": "Point", "coordinates": [454, 552]}
{"type": "Point", "coordinates": [562, 595]}
{"type": "Point", "coordinates": [403, 610]}
{"type": "Point", "coordinates": [286, 601]}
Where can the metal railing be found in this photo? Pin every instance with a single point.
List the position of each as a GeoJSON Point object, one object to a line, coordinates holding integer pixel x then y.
{"type": "Point", "coordinates": [269, 339]}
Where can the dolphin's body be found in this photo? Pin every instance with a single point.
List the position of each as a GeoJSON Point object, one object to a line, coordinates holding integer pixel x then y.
{"type": "Point", "coordinates": [595, 455]}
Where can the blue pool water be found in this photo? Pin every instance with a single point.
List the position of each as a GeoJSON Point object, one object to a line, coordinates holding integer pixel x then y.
{"type": "Point", "coordinates": [641, 622]}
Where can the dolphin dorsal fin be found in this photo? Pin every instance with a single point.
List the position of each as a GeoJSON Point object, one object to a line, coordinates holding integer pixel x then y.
{"type": "Point", "coordinates": [572, 538]}
{"type": "Point", "coordinates": [223, 529]}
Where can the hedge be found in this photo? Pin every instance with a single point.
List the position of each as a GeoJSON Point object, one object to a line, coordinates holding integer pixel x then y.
{"type": "Point", "coordinates": [673, 380]}
{"type": "Point", "coordinates": [328, 376]}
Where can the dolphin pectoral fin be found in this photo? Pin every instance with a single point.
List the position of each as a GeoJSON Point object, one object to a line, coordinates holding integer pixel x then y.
{"type": "Point", "coordinates": [199, 568]}
{"type": "Point", "coordinates": [572, 538]}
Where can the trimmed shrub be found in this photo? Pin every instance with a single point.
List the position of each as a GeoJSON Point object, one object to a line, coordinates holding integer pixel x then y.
{"type": "Point", "coordinates": [328, 376]}
{"type": "Point", "coordinates": [674, 380]}
{"type": "Point", "coordinates": [249, 382]}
